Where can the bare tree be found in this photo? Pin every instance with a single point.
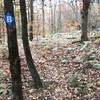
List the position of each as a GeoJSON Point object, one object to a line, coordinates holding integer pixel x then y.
{"type": "Point", "coordinates": [31, 21]}
{"type": "Point", "coordinates": [31, 66]}
{"type": "Point", "coordinates": [84, 12]}
{"type": "Point", "coordinates": [43, 18]}
{"type": "Point", "coordinates": [59, 18]}
{"type": "Point", "coordinates": [51, 18]}
{"type": "Point", "coordinates": [54, 21]}
{"type": "Point", "coordinates": [15, 67]}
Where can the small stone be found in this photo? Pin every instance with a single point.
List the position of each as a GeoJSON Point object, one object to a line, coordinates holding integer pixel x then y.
{"type": "Point", "coordinates": [76, 91]}
{"type": "Point", "coordinates": [98, 84]}
{"type": "Point", "coordinates": [31, 90]}
{"type": "Point", "coordinates": [69, 95]}
{"type": "Point", "coordinates": [10, 98]}
{"type": "Point", "coordinates": [98, 88]}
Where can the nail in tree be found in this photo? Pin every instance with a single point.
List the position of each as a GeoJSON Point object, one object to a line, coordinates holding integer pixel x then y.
{"type": "Point", "coordinates": [15, 67]}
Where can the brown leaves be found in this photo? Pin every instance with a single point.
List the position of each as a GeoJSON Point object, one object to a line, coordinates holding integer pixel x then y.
{"type": "Point", "coordinates": [56, 66]}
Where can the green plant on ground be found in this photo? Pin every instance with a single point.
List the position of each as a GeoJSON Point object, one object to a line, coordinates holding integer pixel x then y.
{"type": "Point", "coordinates": [74, 82]}
{"type": "Point", "coordinates": [83, 88]}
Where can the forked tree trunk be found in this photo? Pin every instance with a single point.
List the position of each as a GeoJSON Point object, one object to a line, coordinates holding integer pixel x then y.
{"type": "Point", "coordinates": [15, 67]}
{"type": "Point", "coordinates": [31, 66]}
{"type": "Point", "coordinates": [86, 5]}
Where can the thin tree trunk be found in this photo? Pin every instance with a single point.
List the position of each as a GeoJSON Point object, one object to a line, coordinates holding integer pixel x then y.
{"type": "Point", "coordinates": [31, 25]}
{"type": "Point", "coordinates": [15, 67]}
{"type": "Point", "coordinates": [59, 19]}
{"type": "Point", "coordinates": [86, 5]}
{"type": "Point", "coordinates": [43, 18]}
{"type": "Point", "coordinates": [54, 21]}
{"type": "Point", "coordinates": [51, 17]}
{"type": "Point", "coordinates": [32, 67]}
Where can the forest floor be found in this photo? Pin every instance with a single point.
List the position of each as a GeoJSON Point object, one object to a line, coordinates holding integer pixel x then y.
{"type": "Point", "coordinates": [69, 70]}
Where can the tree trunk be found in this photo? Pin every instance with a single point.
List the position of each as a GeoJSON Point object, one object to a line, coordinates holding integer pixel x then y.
{"type": "Point", "coordinates": [54, 21]}
{"type": "Point", "coordinates": [51, 17]}
{"type": "Point", "coordinates": [32, 67]}
{"type": "Point", "coordinates": [86, 5]}
{"type": "Point", "coordinates": [31, 23]}
{"type": "Point", "coordinates": [59, 18]}
{"type": "Point", "coordinates": [15, 67]}
{"type": "Point", "coordinates": [43, 18]}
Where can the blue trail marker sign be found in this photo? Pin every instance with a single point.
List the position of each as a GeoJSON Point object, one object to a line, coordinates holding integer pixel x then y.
{"type": "Point", "coordinates": [9, 19]}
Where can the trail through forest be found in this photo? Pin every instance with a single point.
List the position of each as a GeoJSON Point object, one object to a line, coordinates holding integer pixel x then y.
{"type": "Point", "coordinates": [69, 71]}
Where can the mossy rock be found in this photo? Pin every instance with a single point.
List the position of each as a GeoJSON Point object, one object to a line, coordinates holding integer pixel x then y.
{"type": "Point", "coordinates": [91, 57]}
{"type": "Point", "coordinates": [78, 60]}
{"type": "Point", "coordinates": [97, 66]}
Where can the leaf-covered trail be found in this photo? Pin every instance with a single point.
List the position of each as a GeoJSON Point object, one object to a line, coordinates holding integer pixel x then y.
{"type": "Point", "coordinates": [58, 65]}
{"type": "Point", "coordinates": [68, 71]}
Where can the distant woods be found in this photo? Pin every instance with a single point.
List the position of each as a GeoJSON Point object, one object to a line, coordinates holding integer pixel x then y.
{"type": "Point", "coordinates": [54, 16]}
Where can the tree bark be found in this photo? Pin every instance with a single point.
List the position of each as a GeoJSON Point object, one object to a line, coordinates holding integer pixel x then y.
{"type": "Point", "coordinates": [54, 21]}
{"type": "Point", "coordinates": [59, 18]}
{"type": "Point", "coordinates": [51, 17]}
{"type": "Point", "coordinates": [86, 5]}
{"type": "Point", "coordinates": [31, 25]}
{"type": "Point", "coordinates": [43, 18]}
{"type": "Point", "coordinates": [15, 67]}
{"type": "Point", "coordinates": [31, 66]}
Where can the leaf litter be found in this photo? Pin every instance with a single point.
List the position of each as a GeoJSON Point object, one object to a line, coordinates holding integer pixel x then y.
{"type": "Point", "coordinates": [68, 71]}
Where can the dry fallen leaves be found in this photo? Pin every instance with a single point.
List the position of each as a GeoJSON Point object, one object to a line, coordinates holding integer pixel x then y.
{"type": "Point", "coordinates": [56, 66]}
